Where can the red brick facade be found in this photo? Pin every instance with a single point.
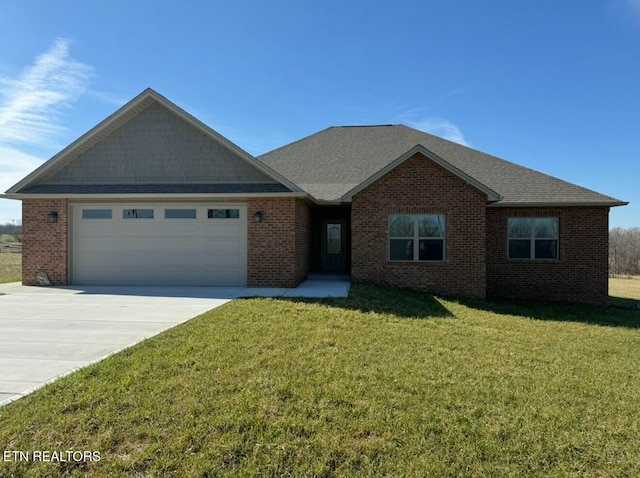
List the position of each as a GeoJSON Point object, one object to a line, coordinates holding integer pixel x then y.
{"type": "Point", "coordinates": [420, 186]}
{"type": "Point", "coordinates": [579, 275]}
{"type": "Point", "coordinates": [277, 247]}
{"type": "Point", "coordinates": [44, 244]}
{"type": "Point", "coordinates": [475, 265]}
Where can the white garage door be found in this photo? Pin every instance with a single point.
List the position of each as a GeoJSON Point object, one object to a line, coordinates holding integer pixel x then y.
{"type": "Point", "coordinates": [159, 244]}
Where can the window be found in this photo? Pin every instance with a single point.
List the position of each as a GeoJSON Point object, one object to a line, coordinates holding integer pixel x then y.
{"type": "Point", "coordinates": [179, 213]}
{"type": "Point", "coordinates": [416, 237]}
{"type": "Point", "coordinates": [137, 213]}
{"type": "Point", "coordinates": [223, 213]}
{"type": "Point", "coordinates": [96, 214]}
{"type": "Point", "coordinates": [533, 238]}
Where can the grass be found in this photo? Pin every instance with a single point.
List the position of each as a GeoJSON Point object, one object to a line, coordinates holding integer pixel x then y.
{"type": "Point", "coordinates": [625, 288]}
{"type": "Point", "coordinates": [384, 383]}
{"type": "Point", "coordinates": [10, 267]}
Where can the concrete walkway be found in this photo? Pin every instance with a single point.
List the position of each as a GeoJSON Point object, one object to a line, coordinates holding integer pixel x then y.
{"type": "Point", "coordinates": [49, 332]}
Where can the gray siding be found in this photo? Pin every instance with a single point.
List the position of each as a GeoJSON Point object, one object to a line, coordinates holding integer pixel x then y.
{"type": "Point", "coordinates": [156, 146]}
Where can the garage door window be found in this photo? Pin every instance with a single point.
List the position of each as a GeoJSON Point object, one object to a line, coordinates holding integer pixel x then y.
{"type": "Point", "coordinates": [137, 213]}
{"type": "Point", "coordinates": [179, 213]}
{"type": "Point", "coordinates": [96, 214]}
{"type": "Point", "coordinates": [223, 213]}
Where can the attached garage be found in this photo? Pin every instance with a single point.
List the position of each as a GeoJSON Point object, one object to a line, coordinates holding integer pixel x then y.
{"type": "Point", "coordinates": [158, 244]}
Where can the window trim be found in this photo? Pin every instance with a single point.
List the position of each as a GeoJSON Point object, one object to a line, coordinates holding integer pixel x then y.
{"type": "Point", "coordinates": [416, 239]}
{"type": "Point", "coordinates": [532, 239]}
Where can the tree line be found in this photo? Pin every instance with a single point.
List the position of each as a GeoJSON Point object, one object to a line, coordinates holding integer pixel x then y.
{"type": "Point", "coordinates": [624, 251]}
{"type": "Point", "coordinates": [13, 228]}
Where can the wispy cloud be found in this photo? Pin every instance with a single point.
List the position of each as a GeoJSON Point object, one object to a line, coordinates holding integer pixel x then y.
{"type": "Point", "coordinates": [30, 104]}
{"type": "Point", "coordinates": [629, 9]}
{"type": "Point", "coordinates": [436, 126]}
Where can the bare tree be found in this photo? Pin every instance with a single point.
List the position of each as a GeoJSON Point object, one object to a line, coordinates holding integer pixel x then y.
{"type": "Point", "coordinates": [624, 251]}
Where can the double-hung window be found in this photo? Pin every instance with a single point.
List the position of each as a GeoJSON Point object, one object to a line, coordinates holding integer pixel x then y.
{"type": "Point", "coordinates": [416, 237]}
{"type": "Point", "coordinates": [533, 238]}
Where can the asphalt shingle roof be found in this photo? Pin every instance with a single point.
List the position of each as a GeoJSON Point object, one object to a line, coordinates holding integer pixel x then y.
{"type": "Point", "coordinates": [330, 163]}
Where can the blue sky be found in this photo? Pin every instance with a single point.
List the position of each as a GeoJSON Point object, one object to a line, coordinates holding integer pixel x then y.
{"type": "Point", "coordinates": [551, 85]}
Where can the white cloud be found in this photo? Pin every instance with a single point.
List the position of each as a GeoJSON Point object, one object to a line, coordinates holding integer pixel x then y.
{"type": "Point", "coordinates": [30, 107]}
{"type": "Point", "coordinates": [30, 104]}
{"type": "Point", "coordinates": [439, 127]}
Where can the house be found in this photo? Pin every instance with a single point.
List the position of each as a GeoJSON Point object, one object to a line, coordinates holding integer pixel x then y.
{"type": "Point", "coordinates": [151, 195]}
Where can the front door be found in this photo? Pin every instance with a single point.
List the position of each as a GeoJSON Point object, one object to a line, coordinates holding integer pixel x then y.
{"type": "Point", "coordinates": [334, 245]}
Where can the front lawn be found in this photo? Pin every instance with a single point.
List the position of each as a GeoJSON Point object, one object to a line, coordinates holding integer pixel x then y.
{"type": "Point", "coordinates": [10, 267]}
{"type": "Point", "coordinates": [385, 383]}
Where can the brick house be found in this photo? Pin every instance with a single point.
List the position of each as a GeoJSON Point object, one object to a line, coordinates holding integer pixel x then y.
{"type": "Point", "coordinates": [152, 196]}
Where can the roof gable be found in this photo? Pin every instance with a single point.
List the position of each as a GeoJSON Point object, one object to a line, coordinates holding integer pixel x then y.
{"type": "Point", "coordinates": [151, 140]}
{"type": "Point", "coordinates": [491, 195]}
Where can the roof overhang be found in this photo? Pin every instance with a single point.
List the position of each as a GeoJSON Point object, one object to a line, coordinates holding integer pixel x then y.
{"type": "Point", "coordinates": [145, 196]}
{"type": "Point", "coordinates": [121, 116]}
{"type": "Point", "coordinates": [612, 203]}
{"type": "Point", "coordinates": [492, 196]}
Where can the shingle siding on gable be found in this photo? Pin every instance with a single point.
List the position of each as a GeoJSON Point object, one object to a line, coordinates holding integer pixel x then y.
{"type": "Point", "coordinates": [156, 146]}
{"type": "Point", "coordinates": [419, 186]}
{"type": "Point", "coordinates": [579, 275]}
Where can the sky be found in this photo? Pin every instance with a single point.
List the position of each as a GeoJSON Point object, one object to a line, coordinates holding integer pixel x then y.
{"type": "Point", "coordinates": [551, 85]}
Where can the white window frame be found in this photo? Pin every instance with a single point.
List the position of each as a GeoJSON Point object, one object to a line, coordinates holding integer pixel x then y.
{"type": "Point", "coordinates": [533, 239]}
{"type": "Point", "coordinates": [416, 238]}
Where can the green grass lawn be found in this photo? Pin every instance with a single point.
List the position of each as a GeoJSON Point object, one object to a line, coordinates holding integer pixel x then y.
{"type": "Point", "coordinates": [625, 288]}
{"type": "Point", "coordinates": [385, 383]}
{"type": "Point", "coordinates": [10, 267]}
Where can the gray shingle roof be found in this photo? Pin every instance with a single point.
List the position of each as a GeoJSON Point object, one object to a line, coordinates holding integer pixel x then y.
{"type": "Point", "coordinates": [332, 162]}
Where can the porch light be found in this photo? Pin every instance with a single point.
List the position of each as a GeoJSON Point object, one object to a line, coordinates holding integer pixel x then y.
{"type": "Point", "coordinates": [53, 216]}
{"type": "Point", "coordinates": [257, 217]}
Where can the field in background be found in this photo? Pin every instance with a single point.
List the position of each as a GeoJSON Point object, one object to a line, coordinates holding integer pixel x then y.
{"type": "Point", "coordinates": [628, 288]}
{"type": "Point", "coordinates": [10, 267]}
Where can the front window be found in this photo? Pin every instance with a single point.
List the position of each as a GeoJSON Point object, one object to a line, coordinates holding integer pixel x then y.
{"type": "Point", "coordinates": [414, 237]}
{"type": "Point", "coordinates": [533, 238]}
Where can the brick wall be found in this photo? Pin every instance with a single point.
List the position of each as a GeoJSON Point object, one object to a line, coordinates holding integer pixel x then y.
{"type": "Point", "coordinates": [579, 275]}
{"type": "Point", "coordinates": [45, 244]}
{"type": "Point", "coordinates": [277, 247]}
{"type": "Point", "coordinates": [420, 186]}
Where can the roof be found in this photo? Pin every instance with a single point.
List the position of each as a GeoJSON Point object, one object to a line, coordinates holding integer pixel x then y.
{"type": "Point", "coordinates": [334, 164]}
{"type": "Point", "coordinates": [118, 119]}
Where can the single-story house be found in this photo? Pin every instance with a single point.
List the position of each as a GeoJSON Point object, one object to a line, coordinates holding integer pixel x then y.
{"type": "Point", "coordinates": [152, 196]}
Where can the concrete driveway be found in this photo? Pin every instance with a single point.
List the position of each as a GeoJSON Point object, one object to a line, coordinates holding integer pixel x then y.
{"type": "Point", "coordinates": [48, 332]}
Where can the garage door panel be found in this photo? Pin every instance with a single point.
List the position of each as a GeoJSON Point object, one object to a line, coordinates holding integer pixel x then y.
{"type": "Point", "coordinates": [159, 251]}
{"type": "Point", "coordinates": [183, 244]}
{"type": "Point", "coordinates": [138, 227]}
{"type": "Point", "coordinates": [181, 229]}
{"type": "Point", "coordinates": [223, 245]}
{"type": "Point", "coordinates": [219, 229]}
{"type": "Point", "coordinates": [175, 262]}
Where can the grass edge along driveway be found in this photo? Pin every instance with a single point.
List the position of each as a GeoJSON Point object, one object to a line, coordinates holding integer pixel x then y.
{"type": "Point", "coordinates": [384, 383]}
